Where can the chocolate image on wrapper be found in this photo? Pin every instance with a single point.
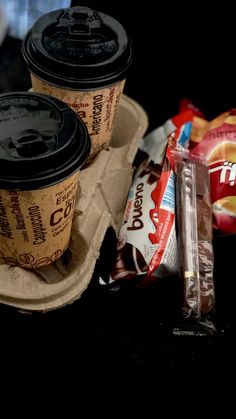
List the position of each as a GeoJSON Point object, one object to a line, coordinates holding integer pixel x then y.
{"type": "Point", "coordinates": [195, 235]}
{"type": "Point", "coordinates": [129, 264]}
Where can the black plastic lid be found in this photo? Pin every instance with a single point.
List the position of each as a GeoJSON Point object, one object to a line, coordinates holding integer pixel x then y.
{"type": "Point", "coordinates": [42, 141]}
{"type": "Point", "coordinates": [78, 48]}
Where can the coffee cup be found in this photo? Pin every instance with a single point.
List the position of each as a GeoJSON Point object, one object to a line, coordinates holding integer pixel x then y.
{"type": "Point", "coordinates": [43, 146]}
{"type": "Point", "coordinates": [81, 56]}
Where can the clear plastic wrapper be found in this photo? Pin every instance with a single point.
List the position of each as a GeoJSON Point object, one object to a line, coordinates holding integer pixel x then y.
{"type": "Point", "coordinates": [194, 216]}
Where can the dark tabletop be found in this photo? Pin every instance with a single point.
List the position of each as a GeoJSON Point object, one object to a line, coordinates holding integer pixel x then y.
{"type": "Point", "coordinates": [177, 53]}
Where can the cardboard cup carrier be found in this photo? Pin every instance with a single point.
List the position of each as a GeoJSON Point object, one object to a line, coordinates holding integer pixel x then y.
{"type": "Point", "coordinates": [43, 145]}
{"type": "Point", "coordinates": [100, 203]}
{"type": "Point", "coordinates": [81, 56]}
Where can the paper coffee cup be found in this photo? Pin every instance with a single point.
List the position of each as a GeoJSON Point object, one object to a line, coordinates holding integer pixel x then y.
{"type": "Point", "coordinates": [43, 145]}
{"type": "Point", "coordinates": [81, 56]}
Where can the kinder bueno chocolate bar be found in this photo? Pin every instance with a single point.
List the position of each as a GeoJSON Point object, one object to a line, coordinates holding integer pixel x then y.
{"type": "Point", "coordinates": [217, 143]}
{"type": "Point", "coordinates": [147, 240]}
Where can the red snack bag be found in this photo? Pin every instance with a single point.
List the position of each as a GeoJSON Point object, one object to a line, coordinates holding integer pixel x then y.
{"type": "Point", "coordinates": [216, 141]}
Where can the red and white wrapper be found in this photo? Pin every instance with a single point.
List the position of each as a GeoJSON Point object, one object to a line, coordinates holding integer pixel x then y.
{"type": "Point", "coordinates": [147, 246]}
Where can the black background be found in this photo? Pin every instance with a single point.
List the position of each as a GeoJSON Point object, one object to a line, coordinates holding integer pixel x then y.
{"type": "Point", "coordinates": [179, 51]}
